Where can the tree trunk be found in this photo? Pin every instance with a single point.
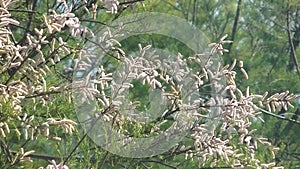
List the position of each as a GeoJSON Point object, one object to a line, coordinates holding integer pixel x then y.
{"type": "Point", "coordinates": [234, 30]}
{"type": "Point", "coordinates": [293, 41]}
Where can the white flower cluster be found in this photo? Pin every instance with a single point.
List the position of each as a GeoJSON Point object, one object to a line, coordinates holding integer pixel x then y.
{"type": "Point", "coordinates": [56, 22]}
{"type": "Point", "coordinates": [231, 114]}
{"type": "Point", "coordinates": [4, 127]}
{"type": "Point", "coordinates": [229, 111]}
{"type": "Point", "coordinates": [23, 68]}
{"type": "Point", "coordinates": [53, 165]}
{"type": "Point", "coordinates": [32, 131]}
{"type": "Point", "coordinates": [279, 101]}
{"type": "Point", "coordinates": [10, 55]}
{"type": "Point", "coordinates": [22, 156]}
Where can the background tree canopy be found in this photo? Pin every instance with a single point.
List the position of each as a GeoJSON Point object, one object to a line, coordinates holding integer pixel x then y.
{"type": "Point", "coordinates": [41, 48]}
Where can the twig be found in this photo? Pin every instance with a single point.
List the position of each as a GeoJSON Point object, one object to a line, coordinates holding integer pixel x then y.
{"type": "Point", "coordinates": [43, 94]}
{"type": "Point", "coordinates": [278, 116]}
{"type": "Point", "coordinates": [95, 21]}
{"type": "Point", "coordinates": [21, 10]}
{"type": "Point", "coordinates": [39, 156]}
{"type": "Point", "coordinates": [75, 148]}
{"type": "Point", "coordinates": [235, 25]}
{"type": "Point", "coordinates": [293, 52]}
{"type": "Point", "coordinates": [84, 136]}
{"type": "Point", "coordinates": [130, 2]}
{"type": "Point", "coordinates": [103, 160]}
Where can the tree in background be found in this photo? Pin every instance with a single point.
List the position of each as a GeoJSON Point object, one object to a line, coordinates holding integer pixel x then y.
{"type": "Point", "coordinates": [42, 44]}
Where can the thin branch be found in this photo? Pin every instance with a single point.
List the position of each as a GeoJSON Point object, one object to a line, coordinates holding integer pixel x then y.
{"type": "Point", "coordinates": [194, 12]}
{"type": "Point", "coordinates": [83, 137]}
{"type": "Point", "coordinates": [130, 2]}
{"type": "Point", "coordinates": [290, 124]}
{"type": "Point", "coordinates": [95, 21]}
{"type": "Point", "coordinates": [75, 148]}
{"type": "Point", "coordinates": [39, 156]}
{"type": "Point", "coordinates": [21, 10]}
{"type": "Point", "coordinates": [235, 24]}
{"type": "Point", "coordinates": [102, 161]}
{"type": "Point", "coordinates": [279, 116]}
{"type": "Point", "coordinates": [293, 52]}
{"type": "Point", "coordinates": [30, 17]}
{"type": "Point", "coordinates": [44, 94]}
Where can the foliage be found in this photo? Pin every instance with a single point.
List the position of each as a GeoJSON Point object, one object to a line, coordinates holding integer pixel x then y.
{"type": "Point", "coordinates": [42, 47]}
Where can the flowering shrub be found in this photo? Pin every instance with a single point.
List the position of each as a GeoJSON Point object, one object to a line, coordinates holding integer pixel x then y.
{"type": "Point", "coordinates": [38, 61]}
